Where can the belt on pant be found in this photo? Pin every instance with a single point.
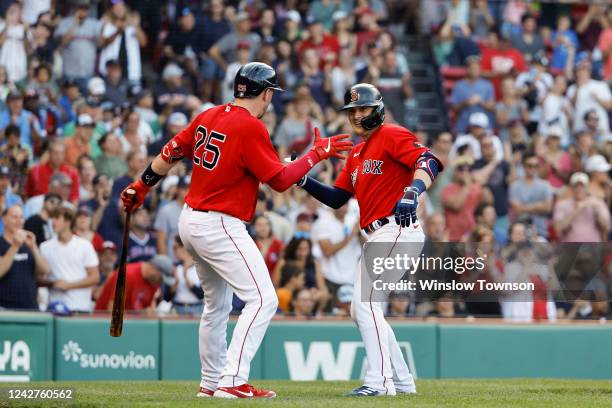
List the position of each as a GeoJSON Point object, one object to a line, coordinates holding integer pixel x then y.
{"type": "Point", "coordinates": [186, 304]}
{"type": "Point", "coordinates": [376, 224]}
{"type": "Point", "coordinates": [195, 209]}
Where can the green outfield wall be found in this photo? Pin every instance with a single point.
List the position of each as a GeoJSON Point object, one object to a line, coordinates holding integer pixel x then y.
{"type": "Point", "coordinates": [26, 347]}
{"type": "Point", "coordinates": [40, 347]}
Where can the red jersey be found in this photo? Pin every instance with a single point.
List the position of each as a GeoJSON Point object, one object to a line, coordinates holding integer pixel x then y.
{"type": "Point", "coordinates": [138, 292]}
{"type": "Point", "coordinates": [329, 45]}
{"type": "Point", "coordinates": [273, 255]}
{"type": "Point", "coordinates": [377, 170]}
{"type": "Point", "coordinates": [501, 61]}
{"type": "Point", "coordinates": [232, 153]}
{"type": "Point", "coordinates": [40, 175]}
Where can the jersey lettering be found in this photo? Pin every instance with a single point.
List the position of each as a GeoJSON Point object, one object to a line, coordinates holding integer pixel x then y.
{"type": "Point", "coordinates": [372, 166]}
{"type": "Point", "coordinates": [208, 156]}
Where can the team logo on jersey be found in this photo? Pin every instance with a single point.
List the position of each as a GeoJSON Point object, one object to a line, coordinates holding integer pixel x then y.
{"type": "Point", "coordinates": [354, 96]}
{"type": "Point", "coordinates": [172, 152]}
{"type": "Point", "coordinates": [354, 177]}
{"type": "Point", "coordinates": [372, 166]}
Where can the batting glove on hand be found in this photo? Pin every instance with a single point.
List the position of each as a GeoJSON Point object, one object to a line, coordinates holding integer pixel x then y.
{"type": "Point", "coordinates": [131, 202]}
{"type": "Point", "coordinates": [405, 208]}
{"type": "Point", "coordinates": [331, 146]}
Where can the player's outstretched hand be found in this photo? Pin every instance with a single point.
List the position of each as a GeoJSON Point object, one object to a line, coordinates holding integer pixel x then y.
{"type": "Point", "coordinates": [331, 146]}
{"type": "Point", "coordinates": [405, 208]}
{"type": "Point", "coordinates": [131, 202]}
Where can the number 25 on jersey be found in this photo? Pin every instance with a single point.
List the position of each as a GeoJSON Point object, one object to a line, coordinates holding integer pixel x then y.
{"type": "Point", "coordinates": [207, 150]}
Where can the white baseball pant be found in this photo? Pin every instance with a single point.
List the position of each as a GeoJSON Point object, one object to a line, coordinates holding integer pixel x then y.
{"type": "Point", "coordinates": [228, 261]}
{"type": "Point", "coordinates": [386, 367]}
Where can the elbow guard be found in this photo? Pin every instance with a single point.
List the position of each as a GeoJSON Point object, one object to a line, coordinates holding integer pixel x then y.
{"type": "Point", "coordinates": [430, 164]}
{"type": "Point", "coordinates": [172, 152]}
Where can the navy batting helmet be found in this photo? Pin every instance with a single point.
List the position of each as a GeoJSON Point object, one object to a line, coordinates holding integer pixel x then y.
{"type": "Point", "coordinates": [366, 95]}
{"type": "Point", "coordinates": [253, 78]}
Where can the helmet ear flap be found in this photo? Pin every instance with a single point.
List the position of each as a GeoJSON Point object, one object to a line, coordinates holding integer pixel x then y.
{"type": "Point", "coordinates": [374, 119]}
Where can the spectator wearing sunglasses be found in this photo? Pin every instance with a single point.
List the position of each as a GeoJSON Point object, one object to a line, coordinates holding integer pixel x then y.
{"type": "Point", "coordinates": [532, 196]}
{"type": "Point", "coordinates": [461, 198]}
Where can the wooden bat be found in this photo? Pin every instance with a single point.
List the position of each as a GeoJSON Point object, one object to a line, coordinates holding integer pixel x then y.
{"type": "Point", "coordinates": [116, 326]}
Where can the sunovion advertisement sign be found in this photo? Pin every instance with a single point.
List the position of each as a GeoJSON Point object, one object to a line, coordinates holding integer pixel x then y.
{"type": "Point", "coordinates": [85, 351]}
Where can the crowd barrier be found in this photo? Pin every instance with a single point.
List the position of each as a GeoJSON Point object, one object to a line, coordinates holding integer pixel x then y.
{"type": "Point", "coordinates": [37, 347]}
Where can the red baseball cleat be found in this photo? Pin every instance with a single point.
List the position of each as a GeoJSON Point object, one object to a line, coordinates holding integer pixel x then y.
{"type": "Point", "coordinates": [243, 391]}
{"type": "Point", "coordinates": [205, 393]}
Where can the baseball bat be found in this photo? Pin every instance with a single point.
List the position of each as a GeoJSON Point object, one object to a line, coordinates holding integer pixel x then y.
{"type": "Point", "coordinates": [116, 326]}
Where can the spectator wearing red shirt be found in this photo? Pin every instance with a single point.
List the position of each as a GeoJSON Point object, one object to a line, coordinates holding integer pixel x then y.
{"type": "Point", "coordinates": [142, 280]}
{"type": "Point", "coordinates": [323, 43]}
{"type": "Point", "coordinates": [460, 199]}
{"type": "Point", "coordinates": [270, 247]}
{"type": "Point", "coordinates": [40, 174]}
{"type": "Point", "coordinates": [499, 59]}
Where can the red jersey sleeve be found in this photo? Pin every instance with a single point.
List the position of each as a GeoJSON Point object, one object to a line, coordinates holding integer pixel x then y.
{"type": "Point", "coordinates": [344, 180]}
{"type": "Point", "coordinates": [403, 146]}
{"type": "Point", "coordinates": [259, 155]}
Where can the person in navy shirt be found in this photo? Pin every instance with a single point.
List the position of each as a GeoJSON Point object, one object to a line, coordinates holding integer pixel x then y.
{"type": "Point", "coordinates": [21, 263]}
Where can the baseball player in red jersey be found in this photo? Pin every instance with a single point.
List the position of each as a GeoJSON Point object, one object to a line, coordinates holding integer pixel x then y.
{"type": "Point", "coordinates": [231, 153]}
{"type": "Point", "coordinates": [386, 173]}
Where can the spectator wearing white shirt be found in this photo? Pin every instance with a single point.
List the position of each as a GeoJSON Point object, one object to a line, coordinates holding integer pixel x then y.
{"type": "Point", "coordinates": [121, 38]}
{"type": "Point", "coordinates": [557, 111]}
{"type": "Point", "coordinates": [340, 247]}
{"type": "Point", "coordinates": [589, 94]}
{"type": "Point", "coordinates": [73, 264]}
{"type": "Point", "coordinates": [533, 86]}
{"type": "Point", "coordinates": [13, 41]}
{"type": "Point", "coordinates": [479, 128]}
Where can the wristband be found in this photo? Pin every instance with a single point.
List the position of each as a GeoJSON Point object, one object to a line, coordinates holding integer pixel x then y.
{"type": "Point", "coordinates": [149, 177]}
{"type": "Point", "coordinates": [419, 185]}
{"type": "Point", "coordinates": [302, 182]}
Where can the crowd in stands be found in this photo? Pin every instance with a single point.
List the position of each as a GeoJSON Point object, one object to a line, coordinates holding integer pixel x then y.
{"type": "Point", "coordinates": [91, 90]}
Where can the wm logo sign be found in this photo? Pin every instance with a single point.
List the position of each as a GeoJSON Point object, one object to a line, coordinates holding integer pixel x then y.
{"type": "Point", "coordinates": [320, 358]}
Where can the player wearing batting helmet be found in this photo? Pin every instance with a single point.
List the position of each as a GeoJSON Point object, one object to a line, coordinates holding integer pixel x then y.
{"type": "Point", "coordinates": [386, 173]}
{"type": "Point", "coordinates": [231, 153]}
{"type": "Point", "coordinates": [252, 79]}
